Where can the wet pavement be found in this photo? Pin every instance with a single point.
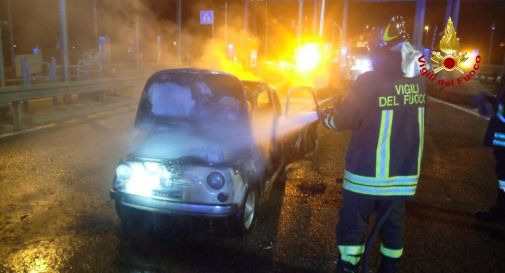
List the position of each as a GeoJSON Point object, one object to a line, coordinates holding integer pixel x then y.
{"type": "Point", "coordinates": [56, 214]}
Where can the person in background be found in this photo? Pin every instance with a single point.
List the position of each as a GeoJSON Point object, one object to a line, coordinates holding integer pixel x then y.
{"type": "Point", "coordinates": [495, 138]}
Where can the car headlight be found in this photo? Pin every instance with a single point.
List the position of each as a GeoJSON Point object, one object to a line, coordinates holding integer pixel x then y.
{"type": "Point", "coordinates": [215, 180]}
{"type": "Point", "coordinates": [153, 168]}
{"type": "Point", "coordinates": [124, 172]}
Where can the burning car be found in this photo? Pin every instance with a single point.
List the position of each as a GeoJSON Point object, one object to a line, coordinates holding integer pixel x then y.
{"type": "Point", "coordinates": [211, 148]}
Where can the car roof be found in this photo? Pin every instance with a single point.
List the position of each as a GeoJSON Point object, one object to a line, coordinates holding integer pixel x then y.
{"type": "Point", "coordinates": [248, 84]}
{"type": "Point", "coordinates": [191, 71]}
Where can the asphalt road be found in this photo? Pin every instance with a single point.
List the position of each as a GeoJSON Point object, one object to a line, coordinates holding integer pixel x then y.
{"type": "Point", "coordinates": [56, 214]}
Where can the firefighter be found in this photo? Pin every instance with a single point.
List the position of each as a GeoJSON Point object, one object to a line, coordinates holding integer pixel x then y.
{"type": "Point", "coordinates": [384, 110]}
{"type": "Point", "coordinates": [495, 138]}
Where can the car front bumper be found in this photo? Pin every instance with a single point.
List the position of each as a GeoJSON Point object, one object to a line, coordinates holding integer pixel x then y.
{"type": "Point", "coordinates": [171, 207]}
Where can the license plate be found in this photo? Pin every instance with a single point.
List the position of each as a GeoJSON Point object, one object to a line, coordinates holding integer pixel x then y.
{"type": "Point", "coordinates": [168, 194]}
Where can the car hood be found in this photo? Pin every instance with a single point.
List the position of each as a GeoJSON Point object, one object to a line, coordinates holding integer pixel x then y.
{"type": "Point", "coordinates": [213, 147]}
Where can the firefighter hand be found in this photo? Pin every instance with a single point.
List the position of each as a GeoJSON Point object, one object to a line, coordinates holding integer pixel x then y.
{"type": "Point", "coordinates": [326, 117]}
{"type": "Point", "coordinates": [324, 112]}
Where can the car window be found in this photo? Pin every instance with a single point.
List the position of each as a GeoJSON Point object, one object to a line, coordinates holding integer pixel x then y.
{"type": "Point", "coordinates": [264, 105]}
{"type": "Point", "coordinates": [191, 97]}
{"type": "Point", "coordinates": [249, 105]}
{"type": "Point", "coordinates": [301, 100]}
{"type": "Point", "coordinates": [177, 96]}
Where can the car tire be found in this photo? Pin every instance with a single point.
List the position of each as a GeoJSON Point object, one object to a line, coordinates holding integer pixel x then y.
{"type": "Point", "coordinates": [245, 218]}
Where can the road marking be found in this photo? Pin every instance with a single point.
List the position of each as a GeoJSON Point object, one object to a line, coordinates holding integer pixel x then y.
{"type": "Point", "coordinates": [28, 130]}
{"type": "Point", "coordinates": [466, 110]}
{"type": "Point", "coordinates": [69, 122]}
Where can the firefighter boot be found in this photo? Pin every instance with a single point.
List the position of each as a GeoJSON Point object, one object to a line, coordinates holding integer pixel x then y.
{"type": "Point", "coordinates": [389, 265]}
{"type": "Point", "coordinates": [496, 213]}
{"type": "Point", "coordinates": [346, 267]}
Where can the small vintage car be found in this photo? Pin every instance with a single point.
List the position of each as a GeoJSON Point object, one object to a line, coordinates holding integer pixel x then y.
{"type": "Point", "coordinates": [212, 148]}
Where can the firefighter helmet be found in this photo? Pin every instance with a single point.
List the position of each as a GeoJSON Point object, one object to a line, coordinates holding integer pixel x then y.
{"type": "Point", "coordinates": [394, 33]}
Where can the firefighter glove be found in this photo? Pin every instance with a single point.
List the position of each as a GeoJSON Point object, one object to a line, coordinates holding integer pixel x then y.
{"type": "Point", "coordinates": [326, 117]}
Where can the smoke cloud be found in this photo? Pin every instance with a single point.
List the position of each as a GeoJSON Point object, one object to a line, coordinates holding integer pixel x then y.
{"type": "Point", "coordinates": [146, 31]}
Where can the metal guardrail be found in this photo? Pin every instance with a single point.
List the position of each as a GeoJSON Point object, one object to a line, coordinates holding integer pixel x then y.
{"type": "Point", "coordinates": [26, 75]}
{"type": "Point", "coordinates": [87, 67]}
{"type": "Point", "coordinates": [46, 90]}
{"type": "Point", "coordinates": [17, 94]}
{"type": "Point", "coordinates": [490, 75]}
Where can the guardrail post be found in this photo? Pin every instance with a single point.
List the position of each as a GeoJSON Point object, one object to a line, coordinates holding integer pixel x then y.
{"type": "Point", "coordinates": [16, 118]}
{"type": "Point", "coordinates": [78, 70]}
{"type": "Point", "coordinates": [52, 70]}
{"type": "Point", "coordinates": [25, 72]}
{"type": "Point", "coordinates": [2, 72]}
{"type": "Point", "coordinates": [101, 96]}
{"type": "Point", "coordinates": [53, 76]}
{"type": "Point", "coordinates": [26, 77]}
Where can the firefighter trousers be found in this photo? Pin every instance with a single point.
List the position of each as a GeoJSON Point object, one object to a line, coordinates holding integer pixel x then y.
{"type": "Point", "coordinates": [499, 155]}
{"type": "Point", "coordinates": [353, 224]}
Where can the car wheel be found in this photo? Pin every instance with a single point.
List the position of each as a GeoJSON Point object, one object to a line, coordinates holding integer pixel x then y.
{"type": "Point", "coordinates": [246, 217]}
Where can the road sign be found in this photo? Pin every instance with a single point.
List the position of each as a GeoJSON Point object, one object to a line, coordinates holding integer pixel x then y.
{"type": "Point", "coordinates": [206, 17]}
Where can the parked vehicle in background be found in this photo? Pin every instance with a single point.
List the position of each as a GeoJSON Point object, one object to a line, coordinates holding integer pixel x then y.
{"type": "Point", "coordinates": [359, 62]}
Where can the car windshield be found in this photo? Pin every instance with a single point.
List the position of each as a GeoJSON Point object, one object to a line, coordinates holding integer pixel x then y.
{"type": "Point", "coordinates": [191, 98]}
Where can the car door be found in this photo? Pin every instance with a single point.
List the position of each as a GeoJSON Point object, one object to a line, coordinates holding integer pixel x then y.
{"type": "Point", "coordinates": [265, 115]}
{"type": "Point", "coordinates": [300, 122]}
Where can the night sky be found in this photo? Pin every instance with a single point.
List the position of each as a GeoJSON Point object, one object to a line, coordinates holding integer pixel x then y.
{"type": "Point", "coordinates": [36, 23]}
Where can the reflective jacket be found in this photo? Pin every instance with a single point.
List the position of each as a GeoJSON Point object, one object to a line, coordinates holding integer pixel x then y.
{"type": "Point", "coordinates": [385, 112]}
{"type": "Point", "coordinates": [495, 134]}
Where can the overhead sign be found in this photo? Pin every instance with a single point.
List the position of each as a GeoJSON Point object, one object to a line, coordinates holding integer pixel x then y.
{"type": "Point", "coordinates": [206, 17]}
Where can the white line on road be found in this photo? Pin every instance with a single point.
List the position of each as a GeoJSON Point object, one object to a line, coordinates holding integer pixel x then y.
{"type": "Point", "coordinates": [28, 130]}
{"type": "Point", "coordinates": [466, 110]}
{"type": "Point", "coordinates": [68, 122]}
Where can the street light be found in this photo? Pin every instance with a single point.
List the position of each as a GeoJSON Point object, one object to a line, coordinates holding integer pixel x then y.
{"type": "Point", "coordinates": [426, 30]}
{"type": "Point", "coordinates": [490, 51]}
{"type": "Point", "coordinates": [300, 20]}
{"type": "Point", "coordinates": [335, 27]}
